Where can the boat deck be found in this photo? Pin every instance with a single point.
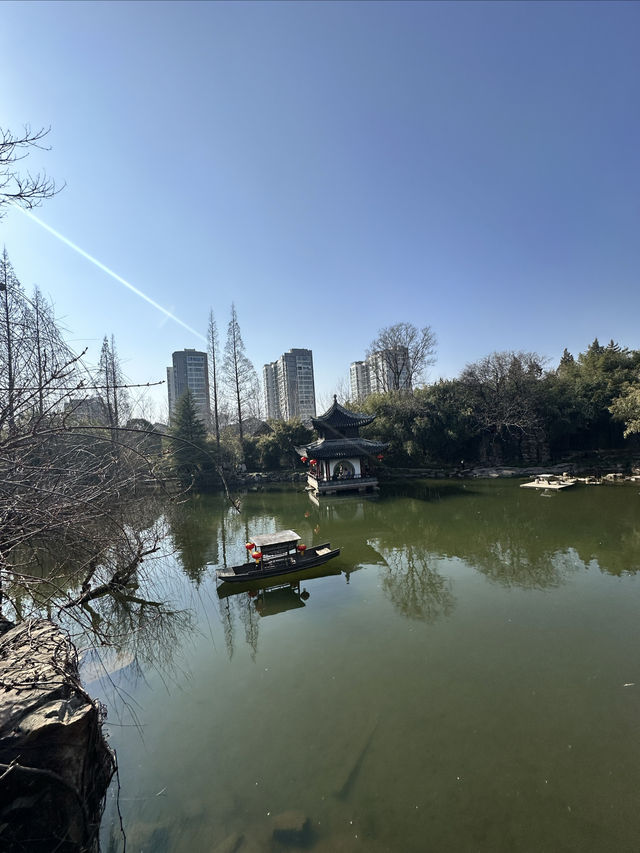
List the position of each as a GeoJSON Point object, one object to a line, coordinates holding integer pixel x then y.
{"type": "Point", "coordinates": [549, 481]}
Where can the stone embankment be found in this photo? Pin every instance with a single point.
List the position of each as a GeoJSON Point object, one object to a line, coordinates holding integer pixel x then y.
{"type": "Point", "coordinates": [254, 481]}
{"type": "Point", "coordinates": [55, 765]}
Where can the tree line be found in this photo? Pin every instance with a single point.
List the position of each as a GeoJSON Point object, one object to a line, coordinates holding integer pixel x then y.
{"type": "Point", "coordinates": [508, 408]}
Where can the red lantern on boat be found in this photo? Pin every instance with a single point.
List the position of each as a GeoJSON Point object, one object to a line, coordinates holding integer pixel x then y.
{"type": "Point", "coordinates": [302, 548]}
{"type": "Point", "coordinates": [313, 461]}
{"type": "Point", "coordinates": [303, 458]}
{"type": "Point", "coordinates": [380, 457]}
{"type": "Point", "coordinates": [250, 545]}
{"type": "Point", "coordinates": [257, 555]}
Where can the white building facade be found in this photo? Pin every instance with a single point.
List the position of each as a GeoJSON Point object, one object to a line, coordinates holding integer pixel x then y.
{"type": "Point", "coordinates": [189, 370]}
{"type": "Point", "coordinates": [289, 387]}
{"type": "Point", "coordinates": [359, 380]}
{"type": "Point", "coordinates": [385, 370]}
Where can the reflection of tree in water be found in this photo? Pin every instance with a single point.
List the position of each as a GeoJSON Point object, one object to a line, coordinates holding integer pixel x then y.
{"type": "Point", "coordinates": [194, 529]}
{"type": "Point", "coordinates": [520, 538]}
{"type": "Point", "coordinates": [512, 551]}
{"type": "Point", "coordinates": [511, 564]}
{"type": "Point", "coordinates": [416, 590]}
{"type": "Point", "coordinates": [135, 636]}
{"type": "Point", "coordinates": [240, 609]}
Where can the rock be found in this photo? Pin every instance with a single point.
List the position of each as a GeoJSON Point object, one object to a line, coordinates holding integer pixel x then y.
{"type": "Point", "coordinates": [291, 828]}
{"type": "Point", "coordinates": [55, 765]}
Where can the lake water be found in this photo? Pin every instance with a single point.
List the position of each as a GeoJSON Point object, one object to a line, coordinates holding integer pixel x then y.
{"type": "Point", "coordinates": [467, 680]}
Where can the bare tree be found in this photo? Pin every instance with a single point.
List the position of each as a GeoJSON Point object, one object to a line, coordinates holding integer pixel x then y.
{"type": "Point", "coordinates": [399, 356]}
{"type": "Point", "coordinates": [68, 506]}
{"type": "Point", "coordinates": [212, 346]}
{"type": "Point", "coordinates": [503, 395]}
{"type": "Point", "coordinates": [14, 311]}
{"type": "Point", "coordinates": [111, 381]}
{"type": "Point", "coordinates": [24, 190]}
{"type": "Point", "coordinates": [341, 391]}
{"type": "Point", "coordinates": [239, 372]}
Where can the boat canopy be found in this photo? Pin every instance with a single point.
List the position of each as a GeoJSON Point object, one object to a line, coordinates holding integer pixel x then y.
{"type": "Point", "coordinates": [280, 539]}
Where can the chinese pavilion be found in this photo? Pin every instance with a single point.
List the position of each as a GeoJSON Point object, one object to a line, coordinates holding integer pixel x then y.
{"type": "Point", "coordinates": [341, 461]}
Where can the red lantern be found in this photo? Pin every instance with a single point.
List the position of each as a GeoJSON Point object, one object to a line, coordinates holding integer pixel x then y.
{"type": "Point", "coordinates": [257, 555]}
{"type": "Point", "coordinates": [250, 545]}
{"type": "Point", "coordinates": [313, 461]}
{"type": "Point", "coordinates": [380, 457]}
{"type": "Point", "coordinates": [302, 548]}
{"type": "Point", "coordinates": [303, 458]}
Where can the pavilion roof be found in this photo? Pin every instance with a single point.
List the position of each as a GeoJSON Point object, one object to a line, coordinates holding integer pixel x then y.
{"type": "Point", "coordinates": [340, 448]}
{"type": "Point", "coordinates": [337, 418]}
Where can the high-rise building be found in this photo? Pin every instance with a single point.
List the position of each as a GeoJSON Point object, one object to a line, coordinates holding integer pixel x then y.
{"type": "Point", "coordinates": [289, 389]}
{"type": "Point", "coordinates": [189, 371]}
{"type": "Point", "coordinates": [384, 370]}
{"type": "Point", "coordinates": [360, 381]}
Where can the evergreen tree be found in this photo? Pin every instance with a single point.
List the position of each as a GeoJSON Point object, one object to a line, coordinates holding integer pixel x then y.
{"type": "Point", "coordinates": [189, 446]}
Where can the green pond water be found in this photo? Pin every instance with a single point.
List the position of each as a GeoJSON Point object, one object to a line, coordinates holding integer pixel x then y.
{"type": "Point", "coordinates": [468, 678]}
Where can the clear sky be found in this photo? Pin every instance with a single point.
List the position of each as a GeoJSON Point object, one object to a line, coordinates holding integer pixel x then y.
{"type": "Point", "coordinates": [332, 168]}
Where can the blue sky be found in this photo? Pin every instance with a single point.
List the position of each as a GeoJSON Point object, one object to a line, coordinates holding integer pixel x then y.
{"type": "Point", "coordinates": [332, 168]}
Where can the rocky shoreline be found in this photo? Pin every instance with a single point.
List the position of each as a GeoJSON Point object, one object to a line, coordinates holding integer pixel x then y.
{"type": "Point", "coordinates": [55, 765]}
{"type": "Point", "coordinates": [583, 470]}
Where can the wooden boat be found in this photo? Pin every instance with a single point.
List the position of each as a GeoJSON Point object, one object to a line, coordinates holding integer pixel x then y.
{"type": "Point", "coordinates": [277, 554]}
{"type": "Point", "coordinates": [550, 481]}
{"type": "Point", "coordinates": [266, 585]}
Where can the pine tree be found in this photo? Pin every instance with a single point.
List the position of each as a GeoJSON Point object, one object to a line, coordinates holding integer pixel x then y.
{"type": "Point", "coordinates": [189, 447]}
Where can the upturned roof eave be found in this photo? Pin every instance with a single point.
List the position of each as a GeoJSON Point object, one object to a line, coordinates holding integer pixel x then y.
{"type": "Point", "coordinates": [339, 448]}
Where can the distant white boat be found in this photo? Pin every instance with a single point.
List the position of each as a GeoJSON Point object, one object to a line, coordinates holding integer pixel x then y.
{"type": "Point", "coordinates": [550, 481]}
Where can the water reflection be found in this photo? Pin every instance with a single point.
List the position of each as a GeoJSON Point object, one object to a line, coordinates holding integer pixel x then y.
{"type": "Point", "coordinates": [414, 586]}
{"type": "Point", "coordinates": [512, 537]}
{"type": "Point", "coordinates": [246, 603]}
{"type": "Point", "coordinates": [495, 692]}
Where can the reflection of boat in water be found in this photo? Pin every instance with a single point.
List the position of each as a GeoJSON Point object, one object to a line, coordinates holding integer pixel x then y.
{"type": "Point", "coordinates": [270, 585]}
{"type": "Point", "coordinates": [550, 481]}
{"type": "Point", "coordinates": [268, 602]}
{"type": "Point", "coordinates": [277, 554]}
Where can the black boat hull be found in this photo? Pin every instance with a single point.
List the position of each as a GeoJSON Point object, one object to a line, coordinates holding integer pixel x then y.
{"type": "Point", "coordinates": [245, 573]}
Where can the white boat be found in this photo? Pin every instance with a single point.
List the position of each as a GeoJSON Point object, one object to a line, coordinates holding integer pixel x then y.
{"type": "Point", "coordinates": [552, 482]}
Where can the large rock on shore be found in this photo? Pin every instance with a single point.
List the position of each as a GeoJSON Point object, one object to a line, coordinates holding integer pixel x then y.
{"type": "Point", "coordinates": [55, 765]}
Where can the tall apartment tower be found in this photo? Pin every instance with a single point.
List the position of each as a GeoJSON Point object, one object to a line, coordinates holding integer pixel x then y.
{"type": "Point", "coordinates": [359, 380]}
{"type": "Point", "coordinates": [384, 370]}
{"type": "Point", "coordinates": [289, 389]}
{"type": "Point", "coordinates": [189, 370]}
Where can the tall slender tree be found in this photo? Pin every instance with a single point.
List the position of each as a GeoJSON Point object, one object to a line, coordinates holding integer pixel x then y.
{"type": "Point", "coordinates": [112, 384]}
{"type": "Point", "coordinates": [239, 373]}
{"type": "Point", "coordinates": [212, 346]}
{"type": "Point", "coordinates": [12, 319]}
